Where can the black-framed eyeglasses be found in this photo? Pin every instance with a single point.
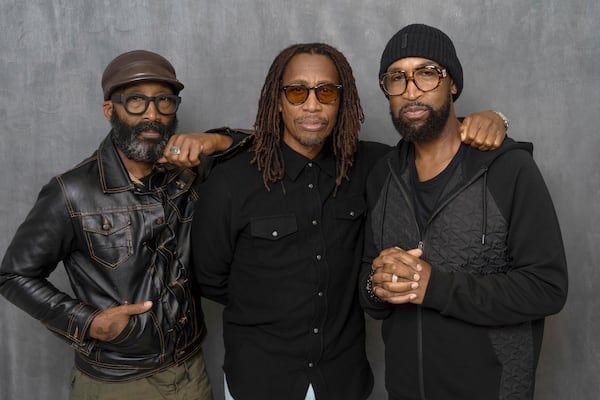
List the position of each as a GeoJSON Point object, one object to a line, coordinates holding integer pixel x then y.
{"type": "Point", "coordinates": [137, 104]}
{"type": "Point", "coordinates": [425, 78]}
{"type": "Point", "coordinates": [297, 93]}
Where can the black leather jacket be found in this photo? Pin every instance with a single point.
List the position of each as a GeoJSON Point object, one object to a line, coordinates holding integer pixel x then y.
{"type": "Point", "coordinates": [119, 243]}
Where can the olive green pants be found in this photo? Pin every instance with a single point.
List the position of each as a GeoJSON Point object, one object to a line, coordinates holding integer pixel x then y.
{"type": "Point", "coordinates": [188, 381]}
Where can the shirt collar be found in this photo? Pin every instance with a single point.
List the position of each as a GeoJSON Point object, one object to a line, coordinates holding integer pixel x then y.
{"type": "Point", "coordinates": [295, 162]}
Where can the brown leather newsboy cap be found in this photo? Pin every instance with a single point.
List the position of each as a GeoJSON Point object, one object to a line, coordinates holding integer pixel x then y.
{"type": "Point", "coordinates": [138, 66]}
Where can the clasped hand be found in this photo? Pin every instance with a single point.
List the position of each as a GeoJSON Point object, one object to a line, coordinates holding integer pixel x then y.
{"type": "Point", "coordinates": [400, 276]}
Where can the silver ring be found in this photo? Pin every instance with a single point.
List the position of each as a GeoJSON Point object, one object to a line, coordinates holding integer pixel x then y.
{"type": "Point", "coordinates": [174, 150]}
{"type": "Point", "coordinates": [394, 278]}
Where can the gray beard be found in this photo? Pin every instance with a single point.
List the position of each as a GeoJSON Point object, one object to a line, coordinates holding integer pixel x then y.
{"type": "Point", "coordinates": [125, 137]}
{"type": "Point", "coordinates": [428, 130]}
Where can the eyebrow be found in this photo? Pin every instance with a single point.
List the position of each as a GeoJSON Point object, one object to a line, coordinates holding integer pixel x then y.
{"type": "Point", "coordinates": [421, 65]}
{"type": "Point", "coordinates": [305, 83]}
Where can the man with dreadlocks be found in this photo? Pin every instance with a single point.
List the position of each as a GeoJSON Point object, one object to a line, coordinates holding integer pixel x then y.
{"type": "Point", "coordinates": [278, 239]}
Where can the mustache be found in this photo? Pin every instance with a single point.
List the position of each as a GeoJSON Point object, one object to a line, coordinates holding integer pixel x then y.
{"type": "Point", "coordinates": [312, 120]}
{"type": "Point", "coordinates": [149, 126]}
{"type": "Point", "coordinates": [414, 104]}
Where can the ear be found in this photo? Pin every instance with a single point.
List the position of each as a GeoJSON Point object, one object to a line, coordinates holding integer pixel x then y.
{"type": "Point", "coordinates": [453, 88]}
{"type": "Point", "coordinates": [108, 108]}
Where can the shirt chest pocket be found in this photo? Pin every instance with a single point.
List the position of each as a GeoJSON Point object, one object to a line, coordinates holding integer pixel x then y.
{"type": "Point", "coordinates": [108, 237]}
{"type": "Point", "coordinates": [273, 228]}
{"type": "Point", "coordinates": [348, 215]}
{"type": "Point", "coordinates": [273, 239]}
{"type": "Point", "coordinates": [350, 209]}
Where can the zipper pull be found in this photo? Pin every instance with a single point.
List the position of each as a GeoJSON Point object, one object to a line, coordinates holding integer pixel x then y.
{"type": "Point", "coordinates": [421, 245]}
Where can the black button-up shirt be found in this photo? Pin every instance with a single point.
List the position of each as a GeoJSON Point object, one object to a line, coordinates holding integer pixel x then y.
{"type": "Point", "coordinates": [285, 263]}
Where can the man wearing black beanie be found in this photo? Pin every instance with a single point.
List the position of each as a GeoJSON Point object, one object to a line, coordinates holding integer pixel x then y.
{"type": "Point", "coordinates": [463, 254]}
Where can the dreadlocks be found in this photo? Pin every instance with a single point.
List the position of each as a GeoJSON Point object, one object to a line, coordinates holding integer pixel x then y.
{"type": "Point", "coordinates": [269, 125]}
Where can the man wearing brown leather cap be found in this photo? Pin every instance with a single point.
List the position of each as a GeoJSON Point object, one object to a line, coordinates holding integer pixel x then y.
{"type": "Point", "coordinates": [119, 222]}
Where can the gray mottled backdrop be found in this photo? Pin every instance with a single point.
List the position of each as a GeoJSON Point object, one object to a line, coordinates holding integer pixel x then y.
{"type": "Point", "coordinates": [536, 61]}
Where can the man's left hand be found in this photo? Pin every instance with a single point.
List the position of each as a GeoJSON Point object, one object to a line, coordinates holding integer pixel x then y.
{"type": "Point", "coordinates": [483, 130]}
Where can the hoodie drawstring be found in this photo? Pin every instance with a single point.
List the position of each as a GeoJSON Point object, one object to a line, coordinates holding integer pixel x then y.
{"type": "Point", "coordinates": [484, 217]}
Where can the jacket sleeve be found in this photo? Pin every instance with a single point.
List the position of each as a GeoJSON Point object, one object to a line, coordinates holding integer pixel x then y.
{"type": "Point", "coordinates": [212, 241]}
{"type": "Point", "coordinates": [241, 139]}
{"type": "Point", "coordinates": [42, 241]}
{"type": "Point", "coordinates": [536, 284]}
{"type": "Point", "coordinates": [371, 304]}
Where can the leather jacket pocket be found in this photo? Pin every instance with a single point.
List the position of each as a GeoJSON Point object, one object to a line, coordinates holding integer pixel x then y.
{"type": "Point", "coordinates": [140, 336]}
{"type": "Point", "coordinates": [108, 237]}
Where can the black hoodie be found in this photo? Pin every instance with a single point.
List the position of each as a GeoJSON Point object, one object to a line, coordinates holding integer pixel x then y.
{"type": "Point", "coordinates": [498, 268]}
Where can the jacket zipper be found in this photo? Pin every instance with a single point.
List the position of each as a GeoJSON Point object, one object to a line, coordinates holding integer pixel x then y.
{"type": "Point", "coordinates": [421, 245]}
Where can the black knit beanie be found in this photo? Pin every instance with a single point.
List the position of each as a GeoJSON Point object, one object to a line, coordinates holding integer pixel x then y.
{"type": "Point", "coordinates": [423, 41]}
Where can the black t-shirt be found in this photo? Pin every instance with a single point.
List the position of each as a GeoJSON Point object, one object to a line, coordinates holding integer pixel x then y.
{"type": "Point", "coordinates": [427, 193]}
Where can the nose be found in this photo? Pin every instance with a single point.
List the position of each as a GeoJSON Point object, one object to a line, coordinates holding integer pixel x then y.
{"type": "Point", "coordinates": [412, 91]}
{"type": "Point", "coordinates": [151, 113]}
{"type": "Point", "coordinates": [312, 103]}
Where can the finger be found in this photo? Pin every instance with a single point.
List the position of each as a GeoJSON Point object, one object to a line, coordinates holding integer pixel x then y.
{"type": "Point", "coordinates": [415, 252]}
{"type": "Point", "coordinates": [402, 273]}
{"type": "Point", "coordinates": [463, 133]}
{"type": "Point", "coordinates": [396, 299]}
{"type": "Point", "coordinates": [137, 308]}
{"type": "Point", "coordinates": [172, 150]}
{"type": "Point", "coordinates": [184, 154]}
{"type": "Point", "coordinates": [174, 140]}
{"type": "Point", "coordinates": [466, 130]}
{"type": "Point", "coordinates": [383, 277]}
{"type": "Point", "coordinates": [391, 251]}
{"type": "Point", "coordinates": [499, 138]}
{"type": "Point", "coordinates": [400, 288]}
{"type": "Point", "coordinates": [195, 150]}
{"type": "Point", "coordinates": [400, 259]}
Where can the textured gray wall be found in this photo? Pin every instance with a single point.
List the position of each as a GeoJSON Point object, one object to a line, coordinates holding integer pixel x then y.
{"type": "Point", "coordinates": [537, 61]}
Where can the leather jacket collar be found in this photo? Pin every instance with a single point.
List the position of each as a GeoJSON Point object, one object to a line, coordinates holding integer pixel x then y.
{"type": "Point", "coordinates": [114, 178]}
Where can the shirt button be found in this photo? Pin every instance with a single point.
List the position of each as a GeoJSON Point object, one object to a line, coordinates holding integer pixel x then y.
{"type": "Point", "coordinates": [320, 294]}
{"type": "Point", "coordinates": [274, 233]}
{"type": "Point", "coordinates": [314, 222]}
{"type": "Point", "coordinates": [316, 330]}
{"type": "Point", "coordinates": [310, 365]}
{"type": "Point", "coordinates": [318, 257]}
{"type": "Point", "coordinates": [352, 213]}
{"type": "Point", "coordinates": [310, 164]}
{"type": "Point", "coordinates": [159, 221]}
{"type": "Point", "coordinates": [310, 186]}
